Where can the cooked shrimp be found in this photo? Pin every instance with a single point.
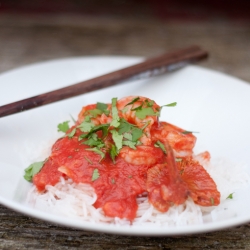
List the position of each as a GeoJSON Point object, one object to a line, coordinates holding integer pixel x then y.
{"type": "Point", "coordinates": [202, 187]}
{"type": "Point", "coordinates": [143, 155]}
{"type": "Point", "coordinates": [182, 142]}
{"type": "Point", "coordinates": [96, 120]}
{"type": "Point", "coordinates": [203, 158]}
{"type": "Point", "coordinates": [127, 107]}
{"type": "Point", "coordinates": [164, 185]}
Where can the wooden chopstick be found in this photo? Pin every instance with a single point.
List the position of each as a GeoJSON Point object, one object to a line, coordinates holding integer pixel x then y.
{"type": "Point", "coordinates": [150, 67]}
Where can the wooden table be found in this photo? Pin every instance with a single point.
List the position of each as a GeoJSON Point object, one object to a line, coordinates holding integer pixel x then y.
{"type": "Point", "coordinates": [26, 39]}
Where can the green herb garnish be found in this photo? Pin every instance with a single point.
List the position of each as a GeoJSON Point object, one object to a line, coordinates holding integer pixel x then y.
{"type": "Point", "coordinates": [33, 169]}
{"type": "Point", "coordinates": [94, 112]}
{"type": "Point", "coordinates": [130, 144]}
{"type": "Point", "coordinates": [117, 138]}
{"type": "Point", "coordinates": [94, 141]}
{"type": "Point", "coordinates": [230, 196]}
{"type": "Point", "coordinates": [125, 126]}
{"type": "Point", "coordinates": [72, 133]}
{"type": "Point", "coordinates": [133, 101]}
{"type": "Point", "coordinates": [63, 127]}
{"type": "Point", "coordinates": [136, 133]}
{"type": "Point", "coordinates": [161, 146]}
{"type": "Point", "coordinates": [173, 104]}
{"type": "Point", "coordinates": [113, 152]}
{"type": "Point", "coordinates": [97, 150]}
{"type": "Point", "coordinates": [188, 132]}
{"type": "Point", "coordinates": [87, 159]}
{"type": "Point", "coordinates": [115, 117]}
{"type": "Point", "coordinates": [86, 126]}
{"type": "Point", "coordinates": [102, 127]}
{"type": "Point", "coordinates": [95, 175]}
{"type": "Point", "coordinates": [144, 112]}
{"type": "Point", "coordinates": [103, 107]}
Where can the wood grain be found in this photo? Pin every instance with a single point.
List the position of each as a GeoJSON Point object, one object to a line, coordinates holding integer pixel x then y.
{"type": "Point", "coordinates": [20, 232]}
{"type": "Point", "coordinates": [29, 39]}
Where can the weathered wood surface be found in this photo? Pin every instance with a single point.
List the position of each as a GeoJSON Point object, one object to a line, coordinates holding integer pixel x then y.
{"type": "Point", "coordinates": [20, 232]}
{"type": "Point", "coordinates": [25, 40]}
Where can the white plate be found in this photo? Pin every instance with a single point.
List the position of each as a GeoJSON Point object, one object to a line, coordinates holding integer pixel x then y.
{"type": "Point", "coordinates": [214, 104]}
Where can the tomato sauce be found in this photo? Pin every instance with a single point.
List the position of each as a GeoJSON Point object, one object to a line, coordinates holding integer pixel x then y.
{"type": "Point", "coordinates": [118, 183]}
{"type": "Point", "coordinates": [151, 168]}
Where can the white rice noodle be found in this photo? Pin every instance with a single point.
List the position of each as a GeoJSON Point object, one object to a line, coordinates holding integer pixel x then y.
{"type": "Point", "coordinates": [76, 201]}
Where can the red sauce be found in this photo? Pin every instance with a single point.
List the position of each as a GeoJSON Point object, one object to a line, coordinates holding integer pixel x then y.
{"type": "Point", "coordinates": [118, 184]}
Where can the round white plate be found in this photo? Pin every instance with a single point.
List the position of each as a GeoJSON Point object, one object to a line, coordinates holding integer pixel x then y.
{"type": "Point", "coordinates": [212, 103]}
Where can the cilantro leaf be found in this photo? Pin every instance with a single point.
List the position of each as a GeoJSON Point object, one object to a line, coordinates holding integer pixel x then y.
{"type": "Point", "coordinates": [95, 175]}
{"type": "Point", "coordinates": [149, 103]}
{"type": "Point", "coordinates": [103, 127]}
{"type": "Point", "coordinates": [124, 126]}
{"type": "Point", "coordinates": [113, 152]}
{"type": "Point", "coordinates": [124, 110]}
{"type": "Point", "coordinates": [137, 108]}
{"type": "Point", "coordinates": [95, 112]}
{"type": "Point", "coordinates": [88, 160]}
{"type": "Point", "coordinates": [188, 132]}
{"type": "Point", "coordinates": [133, 101]}
{"type": "Point", "coordinates": [230, 196]}
{"type": "Point", "coordinates": [103, 107]}
{"type": "Point", "coordinates": [93, 140]}
{"type": "Point", "coordinates": [141, 114]}
{"type": "Point", "coordinates": [86, 126]}
{"type": "Point", "coordinates": [173, 104]}
{"type": "Point", "coordinates": [136, 134]}
{"type": "Point", "coordinates": [72, 133]}
{"type": "Point", "coordinates": [130, 144]}
{"type": "Point", "coordinates": [98, 151]}
{"type": "Point", "coordinates": [117, 138]}
{"type": "Point", "coordinates": [161, 146]}
{"type": "Point", "coordinates": [33, 169]}
{"type": "Point", "coordinates": [127, 136]}
{"type": "Point", "coordinates": [63, 127]}
{"type": "Point", "coordinates": [115, 117]}
{"type": "Point", "coordinates": [87, 118]}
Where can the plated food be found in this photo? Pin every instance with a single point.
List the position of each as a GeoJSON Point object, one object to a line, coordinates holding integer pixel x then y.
{"type": "Point", "coordinates": [221, 120]}
{"type": "Point", "coordinates": [126, 155]}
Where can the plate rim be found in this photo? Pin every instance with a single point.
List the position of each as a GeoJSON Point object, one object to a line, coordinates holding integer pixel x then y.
{"type": "Point", "coordinates": [191, 229]}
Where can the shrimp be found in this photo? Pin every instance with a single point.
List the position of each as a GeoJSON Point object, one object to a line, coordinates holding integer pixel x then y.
{"type": "Point", "coordinates": [164, 184]}
{"type": "Point", "coordinates": [129, 106]}
{"type": "Point", "coordinates": [143, 155]}
{"type": "Point", "coordinates": [201, 186]}
{"type": "Point", "coordinates": [181, 141]}
{"type": "Point", "coordinates": [95, 119]}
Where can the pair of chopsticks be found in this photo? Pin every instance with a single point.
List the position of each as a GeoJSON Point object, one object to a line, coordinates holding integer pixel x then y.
{"type": "Point", "coordinates": [150, 67]}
